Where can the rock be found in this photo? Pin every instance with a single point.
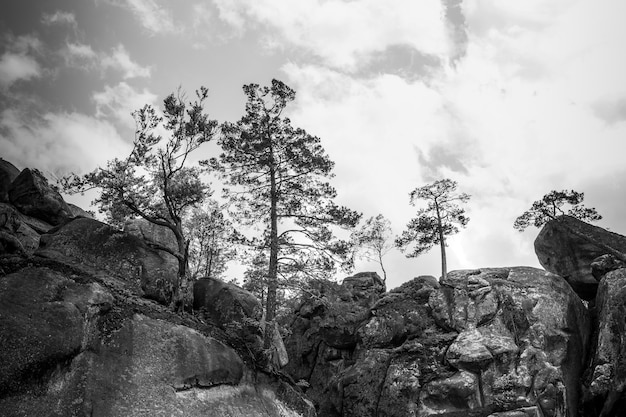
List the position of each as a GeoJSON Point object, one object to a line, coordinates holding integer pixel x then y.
{"type": "Point", "coordinates": [37, 328]}
{"type": "Point", "coordinates": [479, 342]}
{"type": "Point", "coordinates": [232, 308]}
{"type": "Point", "coordinates": [456, 393]}
{"type": "Point", "coordinates": [89, 243]}
{"type": "Point", "coordinates": [364, 286]}
{"type": "Point", "coordinates": [530, 344]}
{"type": "Point", "coordinates": [71, 347]}
{"type": "Point", "coordinates": [79, 212]}
{"type": "Point", "coordinates": [604, 264]}
{"type": "Point", "coordinates": [151, 232]}
{"type": "Point", "coordinates": [16, 236]}
{"type": "Point", "coordinates": [562, 252]}
{"type": "Point", "coordinates": [31, 194]}
{"type": "Point", "coordinates": [8, 173]}
{"type": "Point", "coordinates": [605, 384]}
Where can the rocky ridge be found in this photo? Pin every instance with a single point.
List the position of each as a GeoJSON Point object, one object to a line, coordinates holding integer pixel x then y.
{"type": "Point", "coordinates": [491, 342]}
{"type": "Point", "coordinates": [84, 329]}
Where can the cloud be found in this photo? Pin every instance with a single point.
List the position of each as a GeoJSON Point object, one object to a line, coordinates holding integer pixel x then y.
{"type": "Point", "coordinates": [343, 34]}
{"type": "Point", "coordinates": [120, 101]}
{"type": "Point", "coordinates": [57, 143]}
{"type": "Point", "coordinates": [119, 60]}
{"type": "Point", "coordinates": [15, 67]}
{"type": "Point", "coordinates": [59, 18]}
{"type": "Point", "coordinates": [79, 55]}
{"type": "Point", "coordinates": [611, 111]}
{"type": "Point", "coordinates": [153, 17]}
{"type": "Point", "coordinates": [17, 62]}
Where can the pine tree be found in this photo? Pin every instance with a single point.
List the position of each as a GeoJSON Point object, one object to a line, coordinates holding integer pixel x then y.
{"type": "Point", "coordinates": [154, 181]}
{"type": "Point", "coordinates": [438, 220]}
{"type": "Point", "coordinates": [276, 179]}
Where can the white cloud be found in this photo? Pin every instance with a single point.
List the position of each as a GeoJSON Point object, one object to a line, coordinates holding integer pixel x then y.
{"type": "Point", "coordinates": [15, 67]}
{"type": "Point", "coordinates": [119, 60]}
{"type": "Point", "coordinates": [17, 62]}
{"type": "Point", "coordinates": [344, 34]}
{"type": "Point", "coordinates": [527, 109]}
{"type": "Point", "coordinates": [79, 55]}
{"type": "Point", "coordinates": [58, 142]}
{"type": "Point", "coordinates": [120, 101]}
{"type": "Point", "coordinates": [59, 18]}
{"type": "Point", "coordinates": [153, 17]}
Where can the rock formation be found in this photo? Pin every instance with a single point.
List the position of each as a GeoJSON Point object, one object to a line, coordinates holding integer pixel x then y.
{"type": "Point", "coordinates": [485, 341]}
{"type": "Point", "coordinates": [605, 382]}
{"type": "Point", "coordinates": [84, 329]}
{"type": "Point", "coordinates": [562, 251]}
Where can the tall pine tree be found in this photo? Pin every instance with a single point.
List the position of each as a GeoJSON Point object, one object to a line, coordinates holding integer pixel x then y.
{"type": "Point", "coordinates": [276, 178]}
{"type": "Point", "coordinates": [438, 220]}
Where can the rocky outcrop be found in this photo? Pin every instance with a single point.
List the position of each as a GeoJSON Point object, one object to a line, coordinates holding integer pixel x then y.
{"type": "Point", "coordinates": [151, 232]}
{"type": "Point", "coordinates": [96, 245]}
{"type": "Point", "coordinates": [78, 211]}
{"type": "Point", "coordinates": [31, 194]}
{"type": "Point", "coordinates": [75, 346]}
{"type": "Point", "coordinates": [605, 383]}
{"type": "Point", "coordinates": [562, 251]}
{"type": "Point", "coordinates": [232, 308]}
{"type": "Point", "coordinates": [480, 342]}
{"type": "Point", "coordinates": [8, 173]}
{"type": "Point", "coordinates": [81, 333]}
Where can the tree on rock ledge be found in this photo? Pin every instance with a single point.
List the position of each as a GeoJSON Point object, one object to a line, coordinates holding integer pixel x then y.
{"type": "Point", "coordinates": [153, 181]}
{"type": "Point", "coordinates": [438, 220]}
{"type": "Point", "coordinates": [373, 240]}
{"type": "Point", "coordinates": [550, 208]}
{"type": "Point", "coordinates": [276, 177]}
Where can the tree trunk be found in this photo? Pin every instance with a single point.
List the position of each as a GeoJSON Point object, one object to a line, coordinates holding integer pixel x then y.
{"type": "Point", "coordinates": [180, 287]}
{"type": "Point", "coordinates": [380, 261]}
{"type": "Point", "coordinates": [272, 275]}
{"type": "Point", "coordinates": [442, 243]}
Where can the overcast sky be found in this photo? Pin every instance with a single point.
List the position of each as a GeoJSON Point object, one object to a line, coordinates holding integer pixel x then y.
{"type": "Point", "coordinates": [511, 99]}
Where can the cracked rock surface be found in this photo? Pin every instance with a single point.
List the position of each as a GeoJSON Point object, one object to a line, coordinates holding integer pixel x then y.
{"type": "Point", "coordinates": [482, 342]}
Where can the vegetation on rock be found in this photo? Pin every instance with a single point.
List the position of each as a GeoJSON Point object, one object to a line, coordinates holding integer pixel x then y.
{"type": "Point", "coordinates": [154, 181]}
{"type": "Point", "coordinates": [276, 177]}
{"type": "Point", "coordinates": [438, 220]}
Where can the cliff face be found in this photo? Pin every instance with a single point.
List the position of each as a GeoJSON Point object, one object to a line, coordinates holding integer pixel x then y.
{"type": "Point", "coordinates": [489, 342]}
{"type": "Point", "coordinates": [84, 329]}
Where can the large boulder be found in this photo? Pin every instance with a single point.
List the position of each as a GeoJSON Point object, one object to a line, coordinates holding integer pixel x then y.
{"type": "Point", "coordinates": [89, 243]}
{"type": "Point", "coordinates": [478, 343]}
{"type": "Point", "coordinates": [37, 327]}
{"type": "Point", "coordinates": [232, 308]}
{"type": "Point", "coordinates": [79, 211]}
{"type": "Point", "coordinates": [8, 173]}
{"type": "Point", "coordinates": [325, 332]}
{"type": "Point", "coordinates": [73, 346]}
{"type": "Point", "coordinates": [31, 194]}
{"type": "Point", "coordinates": [605, 384]}
{"type": "Point", "coordinates": [16, 235]}
{"type": "Point", "coordinates": [562, 251]}
{"type": "Point", "coordinates": [151, 232]}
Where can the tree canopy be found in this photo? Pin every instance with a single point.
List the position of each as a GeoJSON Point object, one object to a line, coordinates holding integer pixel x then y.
{"type": "Point", "coordinates": [439, 219]}
{"type": "Point", "coordinates": [276, 178]}
{"type": "Point", "coordinates": [373, 240]}
{"type": "Point", "coordinates": [212, 240]}
{"type": "Point", "coordinates": [154, 181]}
{"type": "Point", "coordinates": [552, 205]}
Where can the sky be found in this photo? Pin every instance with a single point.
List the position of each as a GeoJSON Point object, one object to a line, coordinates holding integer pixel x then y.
{"type": "Point", "coordinates": [511, 99]}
